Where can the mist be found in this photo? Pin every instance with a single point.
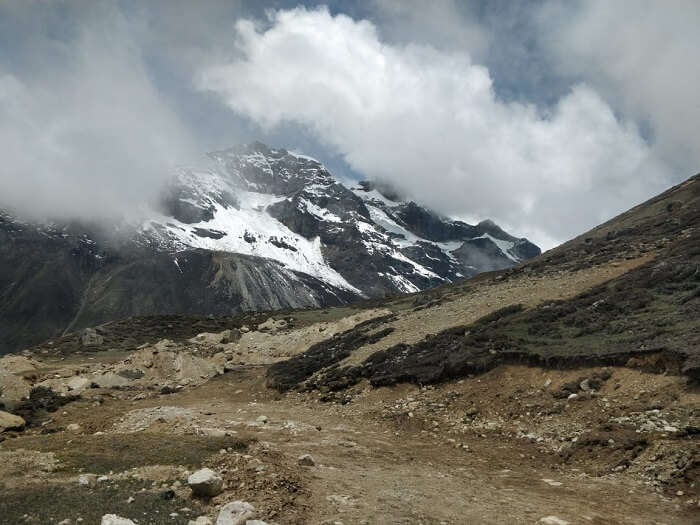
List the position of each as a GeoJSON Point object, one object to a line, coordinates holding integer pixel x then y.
{"type": "Point", "coordinates": [429, 122]}
{"type": "Point", "coordinates": [547, 117]}
{"type": "Point", "coordinates": [85, 132]}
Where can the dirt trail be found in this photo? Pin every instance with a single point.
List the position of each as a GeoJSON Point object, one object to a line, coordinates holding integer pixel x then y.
{"type": "Point", "coordinates": [375, 462]}
{"type": "Point", "coordinates": [371, 472]}
{"type": "Point", "coordinates": [466, 308]}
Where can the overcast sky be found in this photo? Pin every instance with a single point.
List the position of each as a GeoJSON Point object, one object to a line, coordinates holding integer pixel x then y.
{"type": "Point", "coordinates": [547, 117]}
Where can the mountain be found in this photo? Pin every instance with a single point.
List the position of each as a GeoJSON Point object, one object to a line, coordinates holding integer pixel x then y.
{"type": "Point", "coordinates": [287, 207]}
{"type": "Point", "coordinates": [256, 229]}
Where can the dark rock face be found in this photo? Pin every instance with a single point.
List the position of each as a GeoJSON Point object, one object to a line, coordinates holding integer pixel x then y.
{"type": "Point", "coordinates": [51, 282]}
{"type": "Point", "coordinates": [432, 227]}
{"type": "Point", "coordinates": [255, 167]}
{"type": "Point", "coordinates": [482, 254]}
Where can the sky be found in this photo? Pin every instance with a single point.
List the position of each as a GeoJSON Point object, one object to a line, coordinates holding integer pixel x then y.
{"type": "Point", "coordinates": [546, 116]}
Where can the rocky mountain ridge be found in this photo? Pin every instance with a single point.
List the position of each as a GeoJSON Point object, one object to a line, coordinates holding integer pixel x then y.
{"type": "Point", "coordinates": [288, 207]}
{"type": "Point", "coordinates": [257, 229]}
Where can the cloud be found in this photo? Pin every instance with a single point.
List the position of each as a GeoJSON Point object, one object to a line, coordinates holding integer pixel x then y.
{"type": "Point", "coordinates": [644, 59]}
{"type": "Point", "coordinates": [428, 121]}
{"type": "Point", "coordinates": [85, 131]}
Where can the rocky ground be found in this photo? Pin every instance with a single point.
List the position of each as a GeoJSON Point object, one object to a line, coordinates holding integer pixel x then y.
{"type": "Point", "coordinates": [121, 433]}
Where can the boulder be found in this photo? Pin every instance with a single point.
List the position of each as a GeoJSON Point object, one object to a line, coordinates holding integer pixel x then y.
{"type": "Point", "coordinates": [235, 513]}
{"type": "Point", "coordinates": [306, 460]}
{"type": "Point", "coordinates": [17, 364]}
{"type": "Point", "coordinates": [272, 325]}
{"type": "Point", "coordinates": [206, 482]}
{"type": "Point", "coordinates": [113, 519]}
{"type": "Point", "coordinates": [110, 380]}
{"type": "Point", "coordinates": [78, 383]}
{"type": "Point", "coordinates": [552, 520]}
{"type": "Point", "coordinates": [202, 520]}
{"type": "Point", "coordinates": [10, 422]}
{"type": "Point", "coordinates": [90, 337]}
{"type": "Point", "coordinates": [88, 480]}
{"type": "Point", "coordinates": [13, 388]}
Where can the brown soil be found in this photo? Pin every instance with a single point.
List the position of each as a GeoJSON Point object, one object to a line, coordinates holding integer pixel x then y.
{"type": "Point", "coordinates": [494, 449]}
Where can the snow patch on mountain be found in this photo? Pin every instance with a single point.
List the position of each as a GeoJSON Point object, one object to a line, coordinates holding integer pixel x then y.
{"type": "Point", "coordinates": [504, 246]}
{"type": "Point", "coordinates": [279, 205]}
{"type": "Point", "coordinates": [248, 230]}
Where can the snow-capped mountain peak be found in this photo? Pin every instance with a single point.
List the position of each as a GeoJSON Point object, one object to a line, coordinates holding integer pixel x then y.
{"type": "Point", "coordinates": [289, 208]}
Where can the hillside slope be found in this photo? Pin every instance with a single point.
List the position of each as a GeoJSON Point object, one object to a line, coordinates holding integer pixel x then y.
{"type": "Point", "coordinates": [642, 309]}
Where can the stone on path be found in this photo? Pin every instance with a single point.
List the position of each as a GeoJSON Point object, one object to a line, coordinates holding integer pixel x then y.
{"type": "Point", "coordinates": [235, 513]}
{"type": "Point", "coordinates": [10, 422]}
{"type": "Point", "coordinates": [78, 383]}
{"type": "Point", "coordinates": [306, 460]}
{"type": "Point", "coordinates": [206, 482]}
{"type": "Point", "coordinates": [202, 520]}
{"type": "Point", "coordinates": [113, 519]}
{"type": "Point", "coordinates": [110, 380]}
{"type": "Point", "coordinates": [552, 520]}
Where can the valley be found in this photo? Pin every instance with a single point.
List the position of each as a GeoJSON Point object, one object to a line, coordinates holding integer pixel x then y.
{"type": "Point", "coordinates": [563, 390]}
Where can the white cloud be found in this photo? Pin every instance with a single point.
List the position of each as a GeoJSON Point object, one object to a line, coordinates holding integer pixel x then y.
{"type": "Point", "coordinates": [428, 121]}
{"type": "Point", "coordinates": [644, 58]}
{"type": "Point", "coordinates": [85, 132]}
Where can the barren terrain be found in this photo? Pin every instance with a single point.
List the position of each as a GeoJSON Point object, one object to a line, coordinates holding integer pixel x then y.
{"type": "Point", "coordinates": [564, 391]}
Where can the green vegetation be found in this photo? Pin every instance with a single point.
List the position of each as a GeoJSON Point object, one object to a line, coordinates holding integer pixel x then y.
{"type": "Point", "coordinates": [52, 503]}
{"type": "Point", "coordinates": [119, 452]}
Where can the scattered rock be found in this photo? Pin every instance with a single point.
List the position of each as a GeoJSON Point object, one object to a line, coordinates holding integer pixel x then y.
{"type": "Point", "coordinates": [552, 483]}
{"type": "Point", "coordinates": [87, 480]}
{"type": "Point", "coordinates": [206, 482]}
{"type": "Point", "coordinates": [78, 383]}
{"type": "Point", "coordinates": [262, 419]}
{"type": "Point", "coordinates": [110, 380]}
{"type": "Point", "coordinates": [202, 520]}
{"type": "Point", "coordinates": [12, 387]}
{"type": "Point", "coordinates": [212, 338]}
{"type": "Point", "coordinates": [73, 427]}
{"type": "Point", "coordinates": [272, 325]}
{"type": "Point", "coordinates": [42, 399]}
{"type": "Point", "coordinates": [17, 364]}
{"type": "Point", "coordinates": [552, 520]}
{"type": "Point", "coordinates": [167, 494]}
{"type": "Point", "coordinates": [90, 337]}
{"type": "Point", "coordinates": [593, 382]}
{"type": "Point", "coordinates": [113, 519]}
{"type": "Point", "coordinates": [306, 460]}
{"type": "Point", "coordinates": [10, 422]}
{"type": "Point", "coordinates": [131, 373]}
{"type": "Point", "coordinates": [235, 513]}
